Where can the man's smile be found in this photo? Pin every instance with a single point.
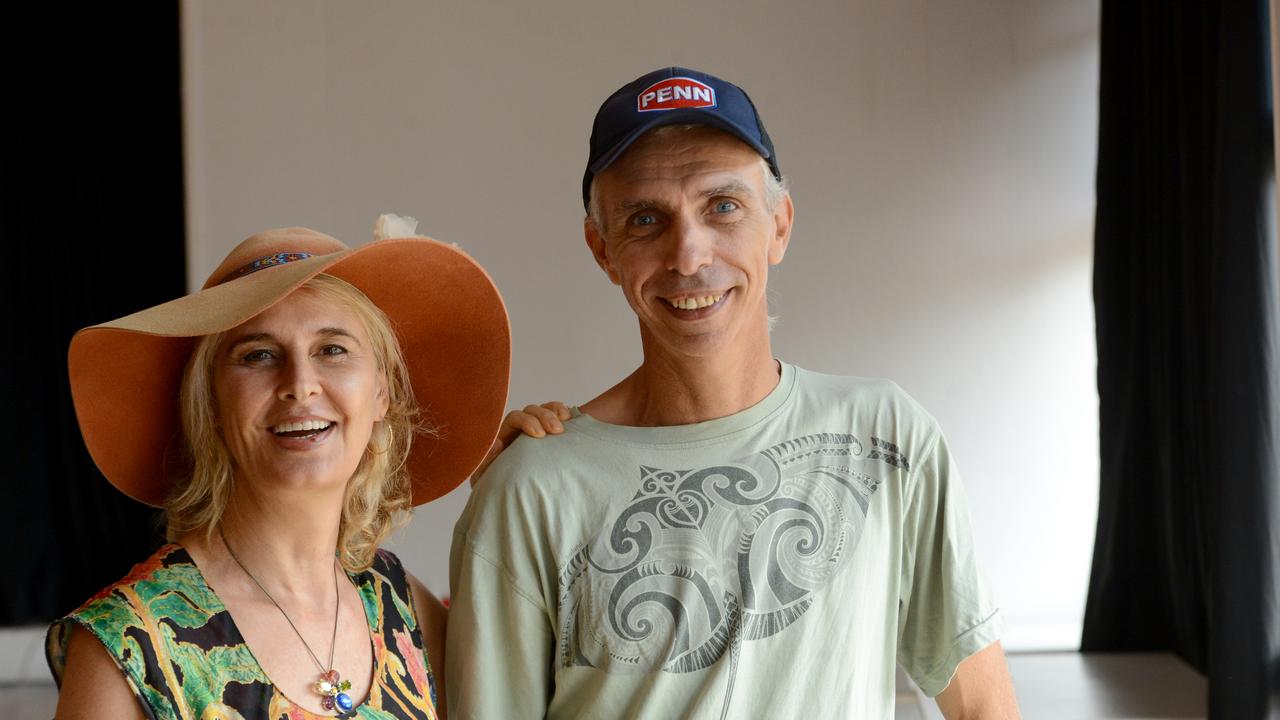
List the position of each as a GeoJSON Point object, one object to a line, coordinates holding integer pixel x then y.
{"type": "Point", "coordinates": [695, 307]}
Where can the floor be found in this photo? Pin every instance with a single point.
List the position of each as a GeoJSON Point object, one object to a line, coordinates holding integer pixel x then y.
{"type": "Point", "coordinates": [1051, 686]}
{"type": "Point", "coordinates": [28, 702]}
{"type": "Point", "coordinates": [36, 702]}
{"type": "Point", "coordinates": [1089, 686]}
{"type": "Point", "coordinates": [1067, 686]}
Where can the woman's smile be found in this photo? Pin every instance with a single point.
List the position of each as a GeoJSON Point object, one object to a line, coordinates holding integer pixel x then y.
{"type": "Point", "coordinates": [302, 434]}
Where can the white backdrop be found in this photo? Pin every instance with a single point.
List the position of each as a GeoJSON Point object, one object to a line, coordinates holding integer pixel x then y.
{"type": "Point", "coordinates": [941, 156]}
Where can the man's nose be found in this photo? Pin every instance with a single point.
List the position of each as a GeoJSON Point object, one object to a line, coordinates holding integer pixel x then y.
{"type": "Point", "coordinates": [690, 246]}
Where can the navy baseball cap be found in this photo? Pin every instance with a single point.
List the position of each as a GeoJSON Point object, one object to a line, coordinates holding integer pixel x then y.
{"type": "Point", "coordinates": [672, 96]}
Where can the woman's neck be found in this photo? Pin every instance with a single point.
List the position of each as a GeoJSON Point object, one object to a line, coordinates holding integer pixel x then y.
{"type": "Point", "coordinates": [286, 543]}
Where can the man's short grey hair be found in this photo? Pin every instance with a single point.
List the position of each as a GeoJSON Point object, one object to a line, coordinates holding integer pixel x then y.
{"type": "Point", "coordinates": [774, 188]}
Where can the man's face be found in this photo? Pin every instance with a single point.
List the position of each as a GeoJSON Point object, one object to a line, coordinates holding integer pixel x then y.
{"type": "Point", "coordinates": [689, 236]}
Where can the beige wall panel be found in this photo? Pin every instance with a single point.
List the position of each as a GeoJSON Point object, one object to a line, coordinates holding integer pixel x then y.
{"type": "Point", "coordinates": [941, 157]}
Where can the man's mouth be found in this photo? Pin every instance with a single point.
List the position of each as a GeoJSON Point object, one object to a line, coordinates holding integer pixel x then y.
{"type": "Point", "coordinates": [301, 428]}
{"type": "Point", "coordinates": [695, 302]}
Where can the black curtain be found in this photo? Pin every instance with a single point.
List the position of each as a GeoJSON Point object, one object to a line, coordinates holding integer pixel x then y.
{"type": "Point", "coordinates": [1188, 537]}
{"type": "Point", "coordinates": [91, 221]}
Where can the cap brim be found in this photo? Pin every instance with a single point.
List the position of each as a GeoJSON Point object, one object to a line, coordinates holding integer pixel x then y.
{"type": "Point", "coordinates": [692, 116]}
{"type": "Point", "coordinates": [448, 315]}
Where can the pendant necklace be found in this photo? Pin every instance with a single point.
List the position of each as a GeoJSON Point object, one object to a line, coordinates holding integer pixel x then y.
{"type": "Point", "coordinates": [331, 687]}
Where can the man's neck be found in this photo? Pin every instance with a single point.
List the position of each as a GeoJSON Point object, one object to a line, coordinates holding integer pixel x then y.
{"type": "Point", "coordinates": [667, 390]}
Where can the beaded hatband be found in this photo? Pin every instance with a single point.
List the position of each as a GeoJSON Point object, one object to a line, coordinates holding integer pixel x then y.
{"type": "Point", "coordinates": [263, 263]}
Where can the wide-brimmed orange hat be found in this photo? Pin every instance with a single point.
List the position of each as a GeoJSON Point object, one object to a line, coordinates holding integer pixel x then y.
{"type": "Point", "coordinates": [446, 313]}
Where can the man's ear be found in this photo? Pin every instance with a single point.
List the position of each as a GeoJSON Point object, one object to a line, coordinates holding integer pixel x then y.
{"type": "Point", "coordinates": [783, 216]}
{"type": "Point", "coordinates": [596, 242]}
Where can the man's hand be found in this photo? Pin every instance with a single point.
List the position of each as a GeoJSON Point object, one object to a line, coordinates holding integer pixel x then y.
{"type": "Point", "coordinates": [534, 421]}
{"type": "Point", "coordinates": [981, 688]}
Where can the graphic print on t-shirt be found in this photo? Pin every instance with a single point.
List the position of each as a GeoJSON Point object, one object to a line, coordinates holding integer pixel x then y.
{"type": "Point", "coordinates": [701, 561]}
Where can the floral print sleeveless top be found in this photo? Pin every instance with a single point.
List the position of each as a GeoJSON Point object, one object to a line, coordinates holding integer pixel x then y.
{"type": "Point", "coordinates": [183, 656]}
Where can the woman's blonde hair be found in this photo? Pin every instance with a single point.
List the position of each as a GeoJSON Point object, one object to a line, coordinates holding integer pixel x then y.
{"type": "Point", "coordinates": [379, 495]}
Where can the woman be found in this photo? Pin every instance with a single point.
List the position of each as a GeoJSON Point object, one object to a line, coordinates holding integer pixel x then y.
{"type": "Point", "coordinates": [304, 399]}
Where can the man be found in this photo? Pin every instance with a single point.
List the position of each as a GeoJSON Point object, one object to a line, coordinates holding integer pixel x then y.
{"type": "Point", "coordinates": [720, 534]}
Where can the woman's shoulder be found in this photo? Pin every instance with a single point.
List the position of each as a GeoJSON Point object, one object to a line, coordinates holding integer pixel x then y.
{"type": "Point", "coordinates": [387, 591]}
{"type": "Point", "coordinates": [141, 591]}
{"type": "Point", "coordinates": [167, 631]}
{"type": "Point", "coordinates": [123, 612]}
{"type": "Point", "coordinates": [165, 570]}
{"type": "Point", "coordinates": [385, 568]}
{"type": "Point", "coordinates": [385, 561]}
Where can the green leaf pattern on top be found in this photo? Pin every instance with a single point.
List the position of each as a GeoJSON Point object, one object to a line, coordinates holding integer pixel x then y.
{"type": "Point", "coordinates": [185, 659]}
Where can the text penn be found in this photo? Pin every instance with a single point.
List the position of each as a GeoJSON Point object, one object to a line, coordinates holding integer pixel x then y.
{"type": "Point", "coordinates": [674, 93]}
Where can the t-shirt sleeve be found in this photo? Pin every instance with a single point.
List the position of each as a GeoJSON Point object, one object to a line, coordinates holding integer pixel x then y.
{"type": "Point", "coordinates": [500, 644]}
{"type": "Point", "coordinates": [946, 610]}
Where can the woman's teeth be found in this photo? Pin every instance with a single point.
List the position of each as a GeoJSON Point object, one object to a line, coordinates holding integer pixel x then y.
{"type": "Point", "coordinates": [696, 303]}
{"type": "Point", "coordinates": [301, 427]}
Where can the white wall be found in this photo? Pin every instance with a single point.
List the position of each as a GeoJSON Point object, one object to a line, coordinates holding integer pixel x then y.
{"type": "Point", "coordinates": [941, 155]}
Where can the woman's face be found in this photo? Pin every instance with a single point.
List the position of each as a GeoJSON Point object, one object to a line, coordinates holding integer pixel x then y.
{"type": "Point", "coordinates": [298, 390]}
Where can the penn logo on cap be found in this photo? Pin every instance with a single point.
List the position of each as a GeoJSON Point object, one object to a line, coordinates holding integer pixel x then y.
{"type": "Point", "coordinates": [674, 93]}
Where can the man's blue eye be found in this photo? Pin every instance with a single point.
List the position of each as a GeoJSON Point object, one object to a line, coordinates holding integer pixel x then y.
{"type": "Point", "coordinates": [645, 220]}
{"type": "Point", "coordinates": [726, 206]}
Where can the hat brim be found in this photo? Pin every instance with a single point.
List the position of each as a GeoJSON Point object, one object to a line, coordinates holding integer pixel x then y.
{"type": "Point", "coordinates": [447, 314]}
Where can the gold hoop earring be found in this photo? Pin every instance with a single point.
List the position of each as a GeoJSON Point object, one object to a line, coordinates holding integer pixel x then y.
{"type": "Point", "coordinates": [391, 439]}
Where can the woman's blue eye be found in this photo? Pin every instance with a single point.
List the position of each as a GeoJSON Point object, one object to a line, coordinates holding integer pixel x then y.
{"type": "Point", "coordinates": [333, 350]}
{"type": "Point", "coordinates": [257, 355]}
{"type": "Point", "coordinates": [726, 206]}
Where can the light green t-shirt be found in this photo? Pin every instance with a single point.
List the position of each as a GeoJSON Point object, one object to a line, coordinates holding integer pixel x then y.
{"type": "Point", "coordinates": [774, 563]}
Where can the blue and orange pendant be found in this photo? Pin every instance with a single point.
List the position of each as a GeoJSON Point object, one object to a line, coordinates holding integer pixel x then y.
{"type": "Point", "coordinates": [334, 691]}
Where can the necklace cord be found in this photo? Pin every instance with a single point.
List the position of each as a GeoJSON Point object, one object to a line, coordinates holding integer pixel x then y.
{"type": "Point", "coordinates": [336, 608]}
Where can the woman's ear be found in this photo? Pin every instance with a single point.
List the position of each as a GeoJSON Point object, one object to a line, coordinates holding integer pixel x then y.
{"type": "Point", "coordinates": [384, 399]}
